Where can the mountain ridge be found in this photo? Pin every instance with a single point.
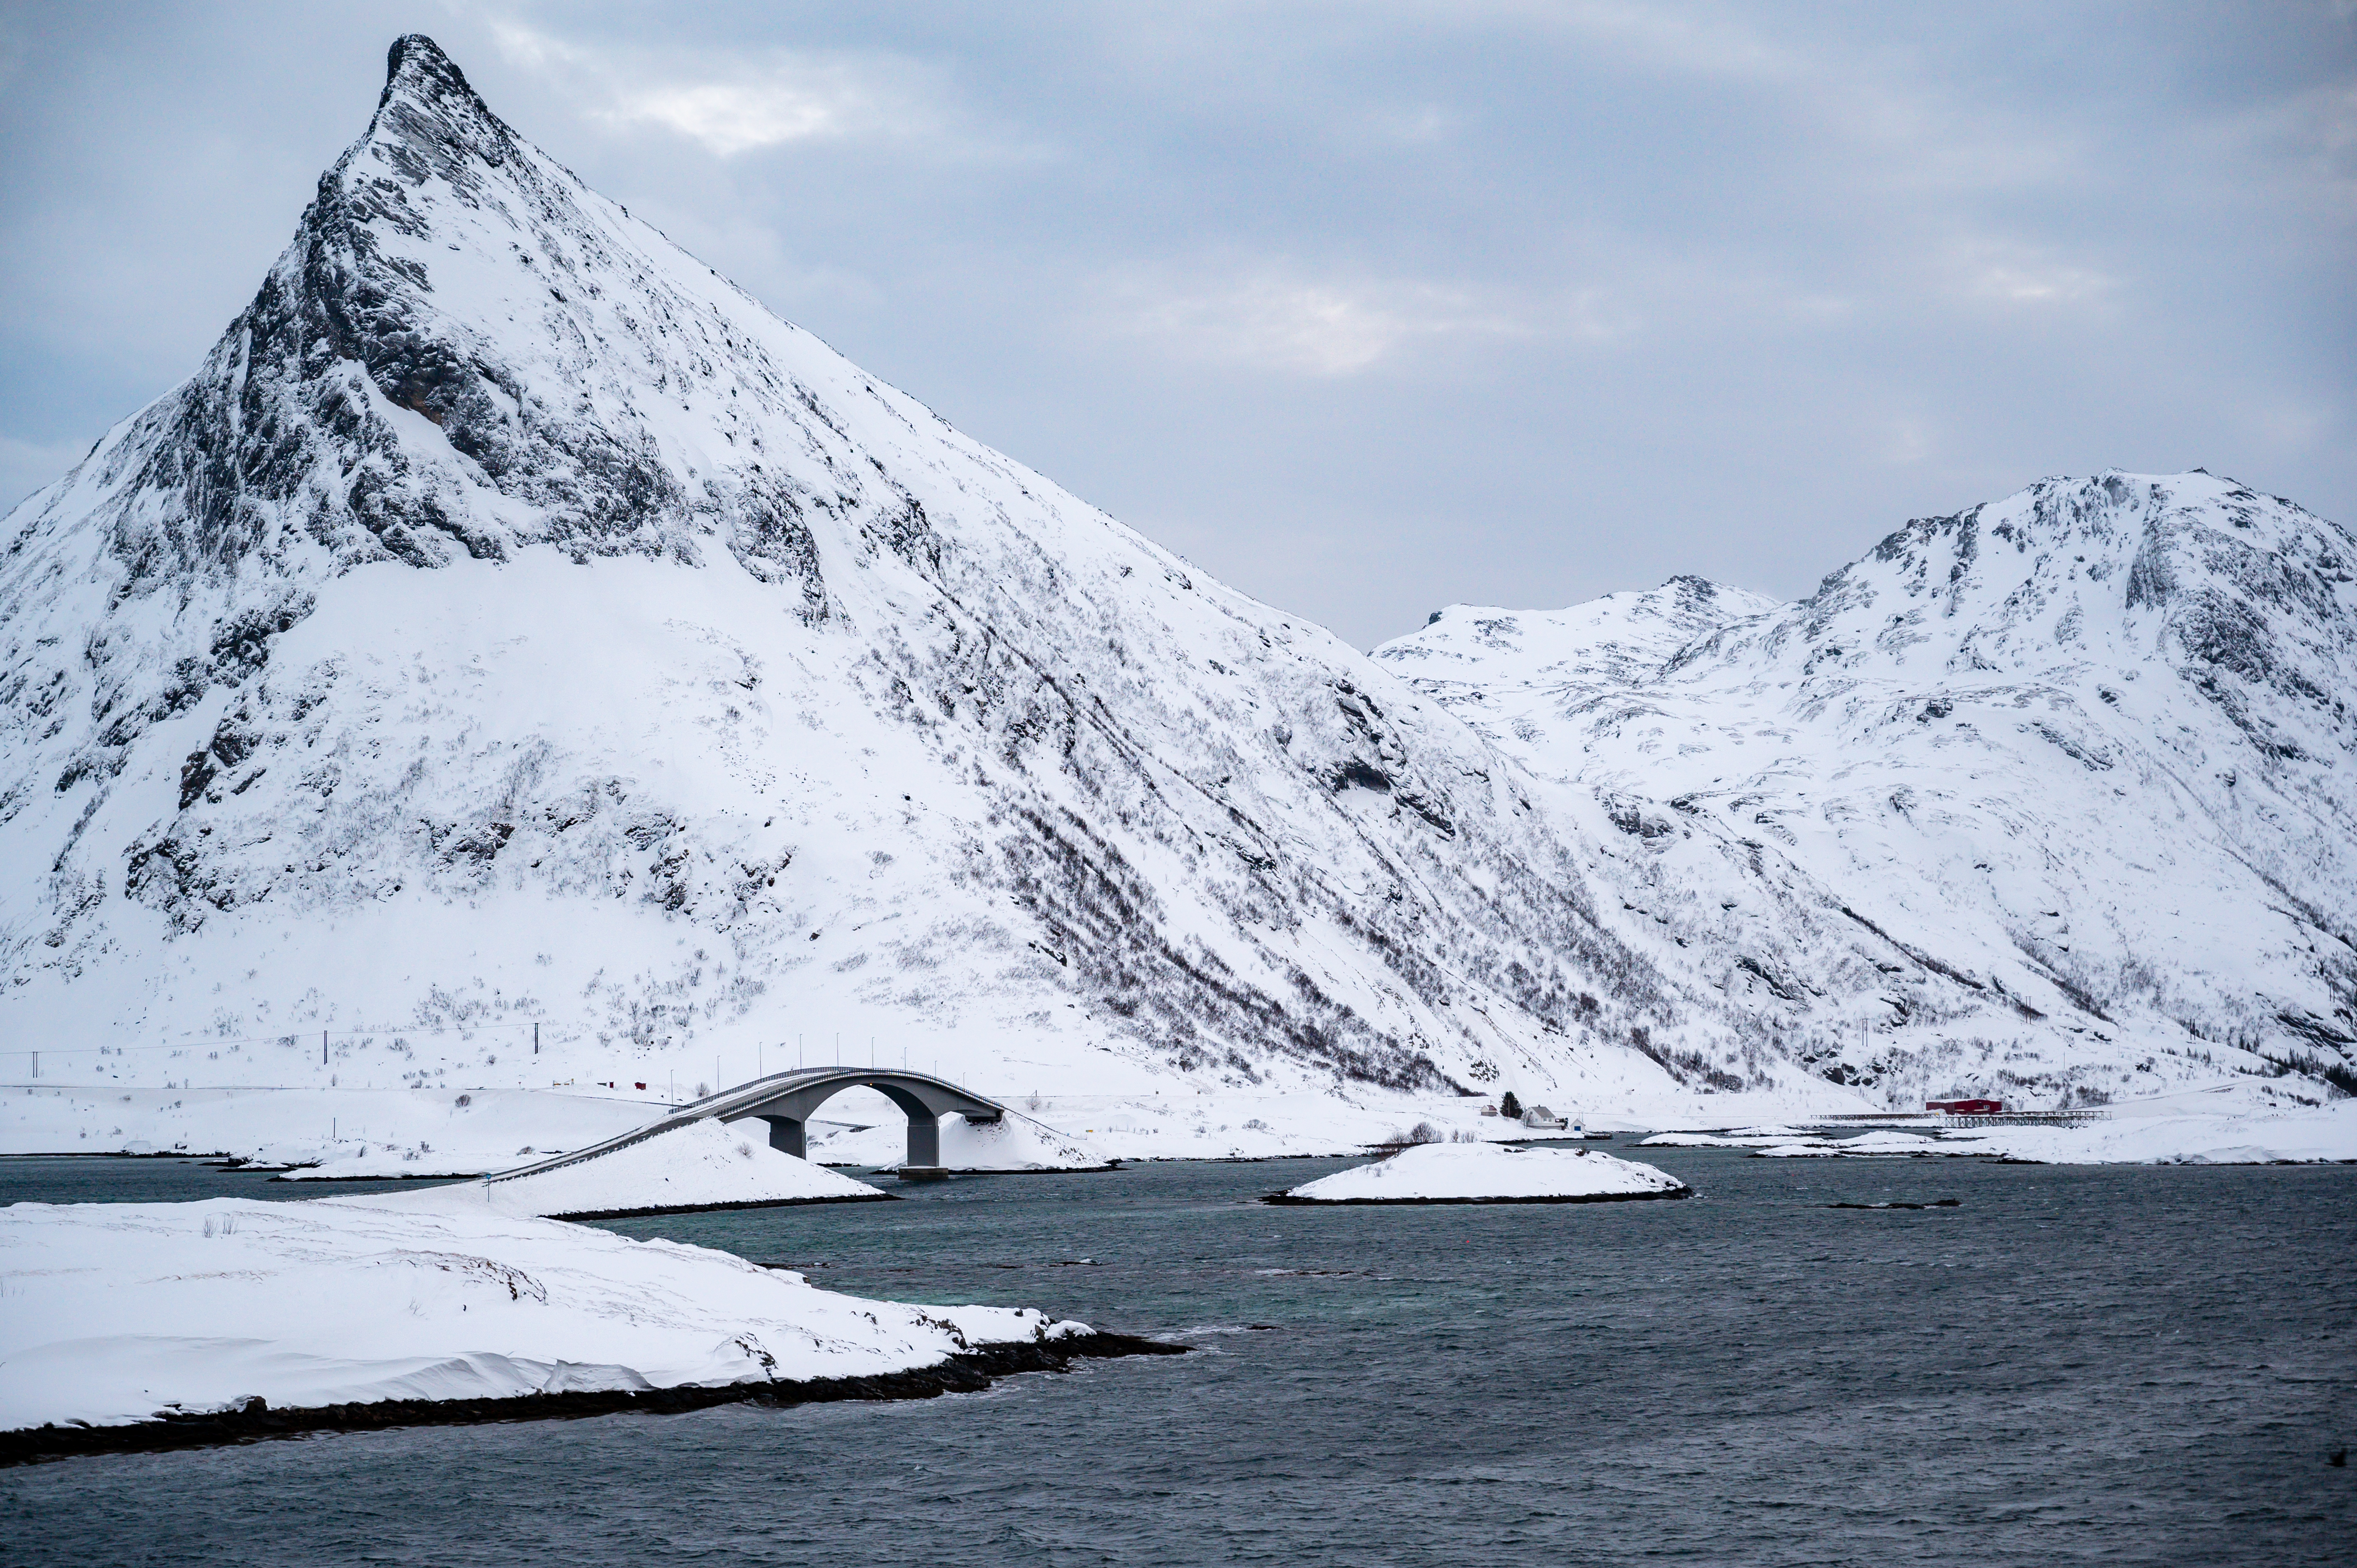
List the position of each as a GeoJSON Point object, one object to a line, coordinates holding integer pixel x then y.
{"type": "Point", "coordinates": [1889, 749]}
{"type": "Point", "coordinates": [513, 627]}
{"type": "Point", "coordinates": [511, 620]}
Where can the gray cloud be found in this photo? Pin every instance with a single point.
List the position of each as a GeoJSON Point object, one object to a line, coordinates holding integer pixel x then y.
{"type": "Point", "coordinates": [1366, 307]}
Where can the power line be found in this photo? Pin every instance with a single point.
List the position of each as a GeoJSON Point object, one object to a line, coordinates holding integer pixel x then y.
{"type": "Point", "coordinates": [294, 1037]}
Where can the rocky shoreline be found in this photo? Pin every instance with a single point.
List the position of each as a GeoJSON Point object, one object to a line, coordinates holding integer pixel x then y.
{"type": "Point", "coordinates": [1287, 1199]}
{"type": "Point", "coordinates": [1399, 1204]}
{"type": "Point", "coordinates": [716, 1207]}
{"type": "Point", "coordinates": [969, 1371]}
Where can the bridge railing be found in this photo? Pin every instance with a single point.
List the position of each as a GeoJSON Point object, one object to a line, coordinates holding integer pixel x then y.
{"type": "Point", "coordinates": [670, 1123]}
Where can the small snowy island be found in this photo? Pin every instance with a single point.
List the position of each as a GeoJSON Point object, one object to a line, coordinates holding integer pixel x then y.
{"type": "Point", "coordinates": [1489, 1173]}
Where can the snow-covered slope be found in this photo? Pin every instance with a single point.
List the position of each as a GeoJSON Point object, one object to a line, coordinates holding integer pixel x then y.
{"type": "Point", "coordinates": [120, 1312]}
{"type": "Point", "coordinates": [2052, 796]}
{"type": "Point", "coordinates": [703, 1164]}
{"type": "Point", "coordinates": [513, 623]}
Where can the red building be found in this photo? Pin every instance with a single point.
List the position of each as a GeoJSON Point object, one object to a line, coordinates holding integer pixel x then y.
{"type": "Point", "coordinates": [1966, 1107]}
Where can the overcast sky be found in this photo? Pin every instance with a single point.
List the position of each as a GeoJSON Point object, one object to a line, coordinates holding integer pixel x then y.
{"type": "Point", "coordinates": [1367, 308]}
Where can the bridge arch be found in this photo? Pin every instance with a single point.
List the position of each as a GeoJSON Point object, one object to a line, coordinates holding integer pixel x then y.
{"type": "Point", "coordinates": [786, 1101]}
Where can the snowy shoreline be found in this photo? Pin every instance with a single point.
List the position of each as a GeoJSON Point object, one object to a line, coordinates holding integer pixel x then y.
{"type": "Point", "coordinates": [172, 1324]}
{"type": "Point", "coordinates": [586, 1216]}
{"type": "Point", "coordinates": [2162, 1133]}
{"type": "Point", "coordinates": [965, 1372]}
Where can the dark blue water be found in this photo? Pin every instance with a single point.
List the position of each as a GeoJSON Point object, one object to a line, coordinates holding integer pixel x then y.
{"type": "Point", "coordinates": [2096, 1365]}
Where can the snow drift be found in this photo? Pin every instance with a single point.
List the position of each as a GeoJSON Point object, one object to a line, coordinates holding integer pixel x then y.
{"type": "Point", "coordinates": [702, 1165]}
{"type": "Point", "coordinates": [1015, 1143]}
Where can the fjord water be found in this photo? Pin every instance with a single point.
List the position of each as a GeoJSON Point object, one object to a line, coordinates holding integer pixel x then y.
{"type": "Point", "coordinates": [2122, 1364]}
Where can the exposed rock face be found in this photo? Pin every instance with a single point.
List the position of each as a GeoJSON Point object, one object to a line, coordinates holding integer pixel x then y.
{"type": "Point", "coordinates": [512, 620]}
{"type": "Point", "coordinates": [2053, 795]}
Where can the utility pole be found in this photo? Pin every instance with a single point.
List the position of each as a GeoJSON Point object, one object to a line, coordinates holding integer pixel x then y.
{"type": "Point", "coordinates": [323, 1048]}
{"type": "Point", "coordinates": [535, 1040]}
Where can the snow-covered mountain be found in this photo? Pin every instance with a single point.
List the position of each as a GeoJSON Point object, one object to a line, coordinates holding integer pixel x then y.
{"type": "Point", "coordinates": [1512, 666]}
{"type": "Point", "coordinates": [514, 626]}
{"type": "Point", "coordinates": [2056, 796]}
{"type": "Point", "coordinates": [514, 623]}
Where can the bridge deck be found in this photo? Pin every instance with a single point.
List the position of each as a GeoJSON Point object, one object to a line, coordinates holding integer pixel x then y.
{"type": "Point", "coordinates": [747, 1098]}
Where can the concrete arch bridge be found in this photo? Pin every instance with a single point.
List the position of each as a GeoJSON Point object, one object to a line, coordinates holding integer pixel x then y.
{"type": "Point", "coordinates": [786, 1101]}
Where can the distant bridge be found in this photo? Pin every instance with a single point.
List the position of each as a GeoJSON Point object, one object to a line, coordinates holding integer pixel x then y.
{"type": "Point", "coordinates": [786, 1100]}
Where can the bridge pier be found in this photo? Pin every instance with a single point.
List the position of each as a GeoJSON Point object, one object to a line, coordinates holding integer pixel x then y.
{"type": "Point", "coordinates": [786, 1135]}
{"type": "Point", "coordinates": [924, 1141]}
{"type": "Point", "coordinates": [790, 1136]}
{"type": "Point", "coordinates": [786, 1100]}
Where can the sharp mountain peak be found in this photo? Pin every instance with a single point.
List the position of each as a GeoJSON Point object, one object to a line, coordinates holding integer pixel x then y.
{"type": "Point", "coordinates": [418, 73]}
{"type": "Point", "coordinates": [502, 557]}
{"type": "Point", "coordinates": [512, 620]}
